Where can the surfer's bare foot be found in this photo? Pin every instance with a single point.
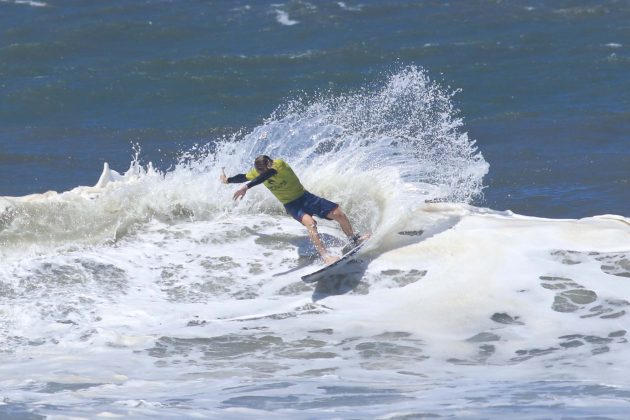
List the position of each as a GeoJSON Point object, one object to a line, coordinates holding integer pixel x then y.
{"type": "Point", "coordinates": [329, 259]}
{"type": "Point", "coordinates": [359, 239]}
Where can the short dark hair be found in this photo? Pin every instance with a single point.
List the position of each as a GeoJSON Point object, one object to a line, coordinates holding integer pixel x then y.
{"type": "Point", "coordinates": [262, 160]}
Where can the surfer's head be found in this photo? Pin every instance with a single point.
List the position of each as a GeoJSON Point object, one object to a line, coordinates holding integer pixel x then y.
{"type": "Point", "coordinates": [263, 163]}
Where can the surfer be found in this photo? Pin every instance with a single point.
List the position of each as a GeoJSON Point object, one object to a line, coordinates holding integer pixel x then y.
{"type": "Point", "coordinates": [280, 179]}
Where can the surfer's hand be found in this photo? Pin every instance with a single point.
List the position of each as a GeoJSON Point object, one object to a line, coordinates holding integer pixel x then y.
{"type": "Point", "coordinates": [223, 177]}
{"type": "Point", "coordinates": [240, 192]}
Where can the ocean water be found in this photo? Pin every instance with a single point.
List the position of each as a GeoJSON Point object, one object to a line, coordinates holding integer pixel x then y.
{"type": "Point", "coordinates": [483, 144]}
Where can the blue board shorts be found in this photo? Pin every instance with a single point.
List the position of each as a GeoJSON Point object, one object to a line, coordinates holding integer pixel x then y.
{"type": "Point", "coordinates": [310, 204]}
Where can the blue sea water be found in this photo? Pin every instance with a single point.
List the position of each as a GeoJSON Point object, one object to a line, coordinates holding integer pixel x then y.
{"type": "Point", "coordinates": [484, 143]}
{"type": "Point", "coordinates": [542, 84]}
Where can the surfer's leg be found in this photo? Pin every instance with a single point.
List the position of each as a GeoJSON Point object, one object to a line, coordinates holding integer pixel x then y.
{"type": "Point", "coordinates": [340, 217]}
{"type": "Point", "coordinates": [311, 226]}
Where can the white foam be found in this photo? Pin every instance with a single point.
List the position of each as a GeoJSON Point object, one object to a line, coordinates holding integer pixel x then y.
{"type": "Point", "coordinates": [344, 6]}
{"type": "Point", "coordinates": [283, 18]}
{"type": "Point", "coordinates": [97, 313]}
{"type": "Point", "coordinates": [27, 2]}
{"type": "Point", "coordinates": [149, 288]}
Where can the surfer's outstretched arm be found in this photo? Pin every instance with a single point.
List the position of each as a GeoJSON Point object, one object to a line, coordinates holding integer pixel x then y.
{"type": "Point", "coordinates": [240, 178]}
{"type": "Point", "coordinates": [236, 179]}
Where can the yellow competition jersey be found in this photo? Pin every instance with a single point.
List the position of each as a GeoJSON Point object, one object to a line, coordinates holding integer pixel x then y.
{"type": "Point", "coordinates": [285, 185]}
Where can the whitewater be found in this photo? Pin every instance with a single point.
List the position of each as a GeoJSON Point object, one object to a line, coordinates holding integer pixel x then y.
{"type": "Point", "coordinates": [153, 295]}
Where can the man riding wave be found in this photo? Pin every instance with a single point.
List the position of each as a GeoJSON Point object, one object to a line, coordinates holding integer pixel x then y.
{"type": "Point", "coordinates": [280, 179]}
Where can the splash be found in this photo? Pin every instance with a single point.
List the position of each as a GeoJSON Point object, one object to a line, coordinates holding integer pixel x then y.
{"type": "Point", "coordinates": [381, 151]}
{"type": "Point", "coordinates": [377, 151]}
{"type": "Point", "coordinates": [407, 130]}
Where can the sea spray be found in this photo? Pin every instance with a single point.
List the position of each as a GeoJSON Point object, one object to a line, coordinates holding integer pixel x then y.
{"type": "Point", "coordinates": [379, 151]}
{"type": "Point", "coordinates": [408, 128]}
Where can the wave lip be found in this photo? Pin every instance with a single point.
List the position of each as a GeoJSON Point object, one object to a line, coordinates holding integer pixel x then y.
{"type": "Point", "coordinates": [84, 215]}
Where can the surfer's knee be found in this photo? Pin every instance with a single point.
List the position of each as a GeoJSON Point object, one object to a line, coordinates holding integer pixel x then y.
{"type": "Point", "coordinates": [335, 213]}
{"type": "Point", "coordinates": [309, 222]}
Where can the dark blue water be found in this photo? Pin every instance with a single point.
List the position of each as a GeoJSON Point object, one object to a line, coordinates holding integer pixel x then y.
{"type": "Point", "coordinates": [543, 84]}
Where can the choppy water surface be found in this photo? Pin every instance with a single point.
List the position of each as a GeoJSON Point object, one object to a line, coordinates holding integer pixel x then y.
{"type": "Point", "coordinates": [145, 292]}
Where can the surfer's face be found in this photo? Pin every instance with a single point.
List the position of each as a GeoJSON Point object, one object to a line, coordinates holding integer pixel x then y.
{"type": "Point", "coordinates": [261, 168]}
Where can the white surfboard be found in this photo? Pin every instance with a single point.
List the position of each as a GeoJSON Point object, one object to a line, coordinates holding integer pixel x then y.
{"type": "Point", "coordinates": [329, 269]}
